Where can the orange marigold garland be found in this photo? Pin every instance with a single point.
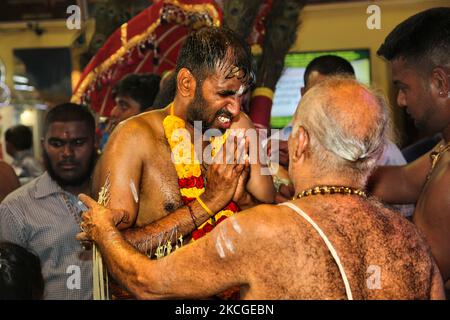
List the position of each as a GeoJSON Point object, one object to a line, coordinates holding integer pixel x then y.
{"type": "Point", "coordinates": [190, 180]}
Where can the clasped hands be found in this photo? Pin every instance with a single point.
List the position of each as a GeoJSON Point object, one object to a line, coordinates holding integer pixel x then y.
{"type": "Point", "coordinates": [226, 177]}
{"type": "Point", "coordinates": [228, 174]}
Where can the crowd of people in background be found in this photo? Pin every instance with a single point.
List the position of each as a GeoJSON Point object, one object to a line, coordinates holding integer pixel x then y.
{"type": "Point", "coordinates": [344, 200]}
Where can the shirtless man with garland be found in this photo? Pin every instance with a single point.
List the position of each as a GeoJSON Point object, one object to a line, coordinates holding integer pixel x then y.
{"type": "Point", "coordinates": [213, 72]}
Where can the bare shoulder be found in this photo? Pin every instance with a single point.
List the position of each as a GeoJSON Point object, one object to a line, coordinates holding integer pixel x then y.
{"type": "Point", "coordinates": [441, 178]}
{"type": "Point", "coordinates": [265, 222]}
{"type": "Point", "coordinates": [398, 235]}
{"type": "Point", "coordinates": [421, 165]}
{"type": "Point", "coordinates": [131, 142]}
{"type": "Point", "coordinates": [141, 130]}
{"type": "Point", "coordinates": [259, 219]}
{"type": "Point", "coordinates": [141, 125]}
{"type": "Point", "coordinates": [436, 195]}
{"type": "Point", "coordinates": [387, 216]}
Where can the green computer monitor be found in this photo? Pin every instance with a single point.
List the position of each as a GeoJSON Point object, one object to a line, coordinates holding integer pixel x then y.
{"type": "Point", "coordinates": [287, 92]}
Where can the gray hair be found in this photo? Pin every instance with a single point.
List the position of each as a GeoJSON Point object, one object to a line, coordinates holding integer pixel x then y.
{"type": "Point", "coordinates": [346, 122]}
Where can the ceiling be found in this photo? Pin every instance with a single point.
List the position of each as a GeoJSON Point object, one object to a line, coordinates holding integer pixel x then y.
{"type": "Point", "coordinates": [32, 10]}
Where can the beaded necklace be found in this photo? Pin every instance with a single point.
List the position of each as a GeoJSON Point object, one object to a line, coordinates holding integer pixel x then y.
{"type": "Point", "coordinates": [330, 190]}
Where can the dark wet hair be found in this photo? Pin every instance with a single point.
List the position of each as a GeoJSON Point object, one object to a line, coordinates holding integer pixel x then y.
{"type": "Point", "coordinates": [210, 49]}
{"type": "Point", "coordinates": [142, 88]}
{"type": "Point", "coordinates": [20, 137]}
{"type": "Point", "coordinates": [422, 39]}
{"type": "Point", "coordinates": [328, 65]}
{"type": "Point", "coordinates": [68, 112]}
{"type": "Point", "coordinates": [20, 273]}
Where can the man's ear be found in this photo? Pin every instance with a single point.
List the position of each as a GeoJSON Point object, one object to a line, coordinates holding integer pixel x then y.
{"type": "Point", "coordinates": [300, 143]}
{"type": "Point", "coordinates": [440, 82]}
{"type": "Point", "coordinates": [186, 83]}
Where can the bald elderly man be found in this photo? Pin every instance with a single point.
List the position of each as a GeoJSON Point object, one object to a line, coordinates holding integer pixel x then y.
{"type": "Point", "coordinates": [331, 242]}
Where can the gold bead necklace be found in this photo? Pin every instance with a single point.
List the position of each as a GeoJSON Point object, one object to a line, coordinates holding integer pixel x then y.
{"type": "Point", "coordinates": [330, 190]}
